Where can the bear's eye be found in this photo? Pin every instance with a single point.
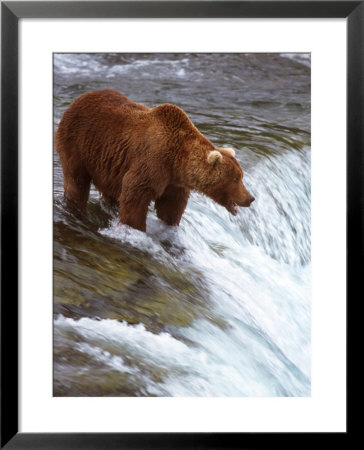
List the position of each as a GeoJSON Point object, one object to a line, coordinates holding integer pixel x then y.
{"type": "Point", "coordinates": [236, 180]}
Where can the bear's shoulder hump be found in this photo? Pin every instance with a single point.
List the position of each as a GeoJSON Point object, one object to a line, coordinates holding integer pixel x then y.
{"type": "Point", "coordinates": [172, 116]}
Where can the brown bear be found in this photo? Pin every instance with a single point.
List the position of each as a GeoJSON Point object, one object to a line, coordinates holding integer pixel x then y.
{"type": "Point", "coordinates": [134, 155]}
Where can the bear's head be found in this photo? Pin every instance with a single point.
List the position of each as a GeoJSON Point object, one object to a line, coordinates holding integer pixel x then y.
{"type": "Point", "coordinates": [227, 186]}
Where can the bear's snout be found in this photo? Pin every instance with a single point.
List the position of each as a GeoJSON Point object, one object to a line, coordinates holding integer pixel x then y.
{"type": "Point", "coordinates": [250, 200]}
{"type": "Point", "coordinates": [247, 201]}
{"type": "Point", "coordinates": [244, 197]}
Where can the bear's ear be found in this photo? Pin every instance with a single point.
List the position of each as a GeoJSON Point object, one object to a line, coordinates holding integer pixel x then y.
{"type": "Point", "coordinates": [213, 157]}
{"type": "Point", "coordinates": [228, 150]}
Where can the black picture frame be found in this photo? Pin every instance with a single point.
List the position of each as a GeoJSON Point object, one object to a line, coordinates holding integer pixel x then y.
{"type": "Point", "coordinates": [11, 12]}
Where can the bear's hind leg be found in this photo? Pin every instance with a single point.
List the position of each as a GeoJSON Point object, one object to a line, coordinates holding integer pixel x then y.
{"type": "Point", "coordinates": [172, 203]}
{"type": "Point", "coordinates": [134, 201]}
{"type": "Point", "coordinates": [77, 184]}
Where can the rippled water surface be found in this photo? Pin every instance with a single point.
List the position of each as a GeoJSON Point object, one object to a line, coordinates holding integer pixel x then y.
{"type": "Point", "coordinates": [219, 306]}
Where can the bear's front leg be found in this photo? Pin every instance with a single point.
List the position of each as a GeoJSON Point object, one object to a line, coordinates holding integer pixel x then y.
{"type": "Point", "coordinates": [172, 203]}
{"type": "Point", "coordinates": [134, 201]}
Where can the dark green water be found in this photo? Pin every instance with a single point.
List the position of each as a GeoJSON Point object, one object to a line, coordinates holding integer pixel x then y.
{"type": "Point", "coordinates": [219, 306]}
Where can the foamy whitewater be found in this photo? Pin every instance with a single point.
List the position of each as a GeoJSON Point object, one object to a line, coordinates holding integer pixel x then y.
{"type": "Point", "coordinates": [226, 301]}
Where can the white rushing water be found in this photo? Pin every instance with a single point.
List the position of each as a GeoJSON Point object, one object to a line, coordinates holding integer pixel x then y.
{"type": "Point", "coordinates": [256, 267]}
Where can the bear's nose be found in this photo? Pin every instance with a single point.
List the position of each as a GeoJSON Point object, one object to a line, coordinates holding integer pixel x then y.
{"type": "Point", "coordinates": [251, 200]}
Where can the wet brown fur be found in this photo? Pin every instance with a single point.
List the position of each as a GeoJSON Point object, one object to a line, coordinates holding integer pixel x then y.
{"type": "Point", "coordinates": [134, 155]}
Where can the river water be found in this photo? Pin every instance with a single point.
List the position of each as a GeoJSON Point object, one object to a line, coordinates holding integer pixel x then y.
{"type": "Point", "coordinates": [221, 305]}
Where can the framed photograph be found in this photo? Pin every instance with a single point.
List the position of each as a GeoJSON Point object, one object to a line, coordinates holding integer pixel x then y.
{"type": "Point", "coordinates": [181, 210]}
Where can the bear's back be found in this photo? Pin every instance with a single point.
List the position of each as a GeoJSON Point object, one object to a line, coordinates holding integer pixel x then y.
{"type": "Point", "coordinates": [97, 114]}
{"type": "Point", "coordinates": [102, 101]}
